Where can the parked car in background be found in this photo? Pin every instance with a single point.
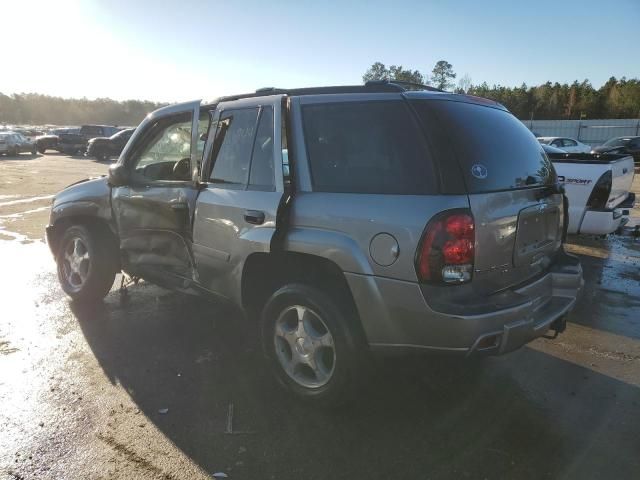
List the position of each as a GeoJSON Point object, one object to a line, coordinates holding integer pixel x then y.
{"type": "Point", "coordinates": [400, 226]}
{"type": "Point", "coordinates": [597, 187]}
{"type": "Point", "coordinates": [28, 133]}
{"type": "Point", "coordinates": [13, 143]}
{"type": "Point", "coordinates": [566, 144]}
{"type": "Point", "coordinates": [49, 140]}
{"type": "Point", "coordinates": [75, 143]}
{"type": "Point", "coordinates": [550, 149]}
{"type": "Point", "coordinates": [621, 145]}
{"type": "Point", "coordinates": [104, 147]}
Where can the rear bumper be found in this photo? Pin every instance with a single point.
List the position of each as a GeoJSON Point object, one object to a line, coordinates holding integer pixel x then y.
{"type": "Point", "coordinates": [602, 222]}
{"type": "Point", "coordinates": [397, 318]}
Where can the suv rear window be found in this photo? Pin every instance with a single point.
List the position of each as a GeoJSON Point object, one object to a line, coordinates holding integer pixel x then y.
{"type": "Point", "coordinates": [494, 149]}
{"type": "Point", "coordinates": [366, 147]}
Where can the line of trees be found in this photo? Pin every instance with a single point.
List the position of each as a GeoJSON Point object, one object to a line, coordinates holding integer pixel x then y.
{"type": "Point", "coordinates": [36, 109]}
{"type": "Point", "coordinates": [617, 98]}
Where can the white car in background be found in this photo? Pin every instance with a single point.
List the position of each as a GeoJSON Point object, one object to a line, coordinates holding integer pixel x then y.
{"type": "Point", "coordinates": [12, 143]}
{"type": "Point", "coordinates": [567, 144]}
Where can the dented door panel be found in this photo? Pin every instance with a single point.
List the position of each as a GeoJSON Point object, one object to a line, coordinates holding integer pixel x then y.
{"type": "Point", "coordinates": [154, 213]}
{"type": "Point", "coordinates": [155, 226]}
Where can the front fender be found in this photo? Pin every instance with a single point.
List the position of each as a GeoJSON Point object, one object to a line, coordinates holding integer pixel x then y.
{"type": "Point", "coordinates": [88, 200]}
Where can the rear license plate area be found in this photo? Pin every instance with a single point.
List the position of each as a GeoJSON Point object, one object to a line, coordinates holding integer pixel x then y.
{"type": "Point", "coordinates": [537, 232]}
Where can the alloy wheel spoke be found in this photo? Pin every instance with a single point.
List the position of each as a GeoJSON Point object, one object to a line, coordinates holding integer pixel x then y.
{"type": "Point", "coordinates": [321, 375]}
{"type": "Point", "coordinates": [77, 246]}
{"type": "Point", "coordinates": [325, 340]}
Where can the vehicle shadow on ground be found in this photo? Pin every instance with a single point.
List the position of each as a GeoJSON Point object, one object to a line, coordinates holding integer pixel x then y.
{"type": "Point", "coordinates": [525, 415]}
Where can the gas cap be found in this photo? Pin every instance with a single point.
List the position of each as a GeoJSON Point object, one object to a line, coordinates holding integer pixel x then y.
{"type": "Point", "coordinates": [384, 249]}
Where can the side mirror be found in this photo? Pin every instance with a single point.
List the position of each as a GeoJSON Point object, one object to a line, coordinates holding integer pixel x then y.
{"type": "Point", "coordinates": [118, 175]}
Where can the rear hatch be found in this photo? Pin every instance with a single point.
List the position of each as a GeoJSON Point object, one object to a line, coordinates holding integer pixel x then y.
{"type": "Point", "coordinates": [484, 150]}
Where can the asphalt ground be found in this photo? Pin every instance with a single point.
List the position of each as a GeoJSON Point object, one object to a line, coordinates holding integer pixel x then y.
{"type": "Point", "coordinates": [159, 385]}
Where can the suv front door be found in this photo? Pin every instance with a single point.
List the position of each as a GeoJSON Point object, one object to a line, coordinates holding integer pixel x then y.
{"type": "Point", "coordinates": [153, 211]}
{"type": "Point", "coordinates": [242, 187]}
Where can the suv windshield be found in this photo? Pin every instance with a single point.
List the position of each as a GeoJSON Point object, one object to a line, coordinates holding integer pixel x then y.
{"type": "Point", "coordinates": [493, 148]}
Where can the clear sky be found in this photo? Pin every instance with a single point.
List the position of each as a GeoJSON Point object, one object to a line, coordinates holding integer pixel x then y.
{"type": "Point", "coordinates": [185, 49]}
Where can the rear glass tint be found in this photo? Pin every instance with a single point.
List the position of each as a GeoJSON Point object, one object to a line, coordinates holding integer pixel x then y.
{"type": "Point", "coordinates": [494, 149]}
{"type": "Point", "coordinates": [366, 147]}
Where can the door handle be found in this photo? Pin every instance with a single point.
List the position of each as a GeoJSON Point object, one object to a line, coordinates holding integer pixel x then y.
{"type": "Point", "coordinates": [255, 217]}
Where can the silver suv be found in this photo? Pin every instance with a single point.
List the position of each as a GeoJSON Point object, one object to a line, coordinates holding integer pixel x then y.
{"type": "Point", "coordinates": [345, 220]}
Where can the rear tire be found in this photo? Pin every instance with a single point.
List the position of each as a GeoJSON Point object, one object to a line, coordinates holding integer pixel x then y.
{"type": "Point", "coordinates": [313, 347]}
{"type": "Point", "coordinates": [87, 263]}
{"type": "Point", "coordinates": [42, 150]}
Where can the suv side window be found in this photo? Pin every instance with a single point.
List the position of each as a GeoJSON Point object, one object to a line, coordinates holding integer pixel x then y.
{"type": "Point", "coordinates": [261, 176]}
{"type": "Point", "coordinates": [232, 147]}
{"type": "Point", "coordinates": [168, 142]}
{"type": "Point", "coordinates": [367, 147]}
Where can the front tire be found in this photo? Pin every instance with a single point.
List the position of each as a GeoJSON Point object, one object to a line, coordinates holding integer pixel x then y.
{"type": "Point", "coordinates": [313, 346]}
{"type": "Point", "coordinates": [87, 263]}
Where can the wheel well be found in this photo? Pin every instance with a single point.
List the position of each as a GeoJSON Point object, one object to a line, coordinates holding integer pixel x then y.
{"type": "Point", "coordinates": [56, 234]}
{"type": "Point", "coordinates": [264, 273]}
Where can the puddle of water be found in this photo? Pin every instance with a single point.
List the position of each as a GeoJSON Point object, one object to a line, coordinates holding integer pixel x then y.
{"type": "Point", "coordinates": [26, 200]}
{"type": "Point", "coordinates": [26, 212]}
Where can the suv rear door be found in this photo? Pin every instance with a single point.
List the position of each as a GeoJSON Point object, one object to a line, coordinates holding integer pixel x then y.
{"type": "Point", "coordinates": [242, 184]}
{"type": "Point", "coordinates": [510, 183]}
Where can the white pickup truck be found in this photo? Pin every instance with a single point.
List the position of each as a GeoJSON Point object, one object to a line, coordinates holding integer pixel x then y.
{"type": "Point", "coordinates": [597, 187]}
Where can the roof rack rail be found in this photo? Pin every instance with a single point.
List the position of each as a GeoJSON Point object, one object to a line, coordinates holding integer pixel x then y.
{"type": "Point", "coordinates": [402, 84]}
{"type": "Point", "coordinates": [373, 86]}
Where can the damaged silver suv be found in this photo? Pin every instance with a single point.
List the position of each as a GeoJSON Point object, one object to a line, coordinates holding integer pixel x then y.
{"type": "Point", "coordinates": [345, 220]}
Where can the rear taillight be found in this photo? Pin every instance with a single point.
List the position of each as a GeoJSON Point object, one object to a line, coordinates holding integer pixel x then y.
{"type": "Point", "coordinates": [446, 252]}
{"type": "Point", "coordinates": [600, 193]}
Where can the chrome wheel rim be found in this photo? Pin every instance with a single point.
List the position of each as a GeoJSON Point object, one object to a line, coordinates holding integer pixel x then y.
{"type": "Point", "coordinates": [76, 263]}
{"type": "Point", "coordinates": [304, 346]}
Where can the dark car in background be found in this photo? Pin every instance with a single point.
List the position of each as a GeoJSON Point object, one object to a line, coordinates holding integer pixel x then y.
{"type": "Point", "coordinates": [75, 143]}
{"type": "Point", "coordinates": [104, 147]}
{"type": "Point", "coordinates": [49, 140]}
{"type": "Point", "coordinates": [623, 145]}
